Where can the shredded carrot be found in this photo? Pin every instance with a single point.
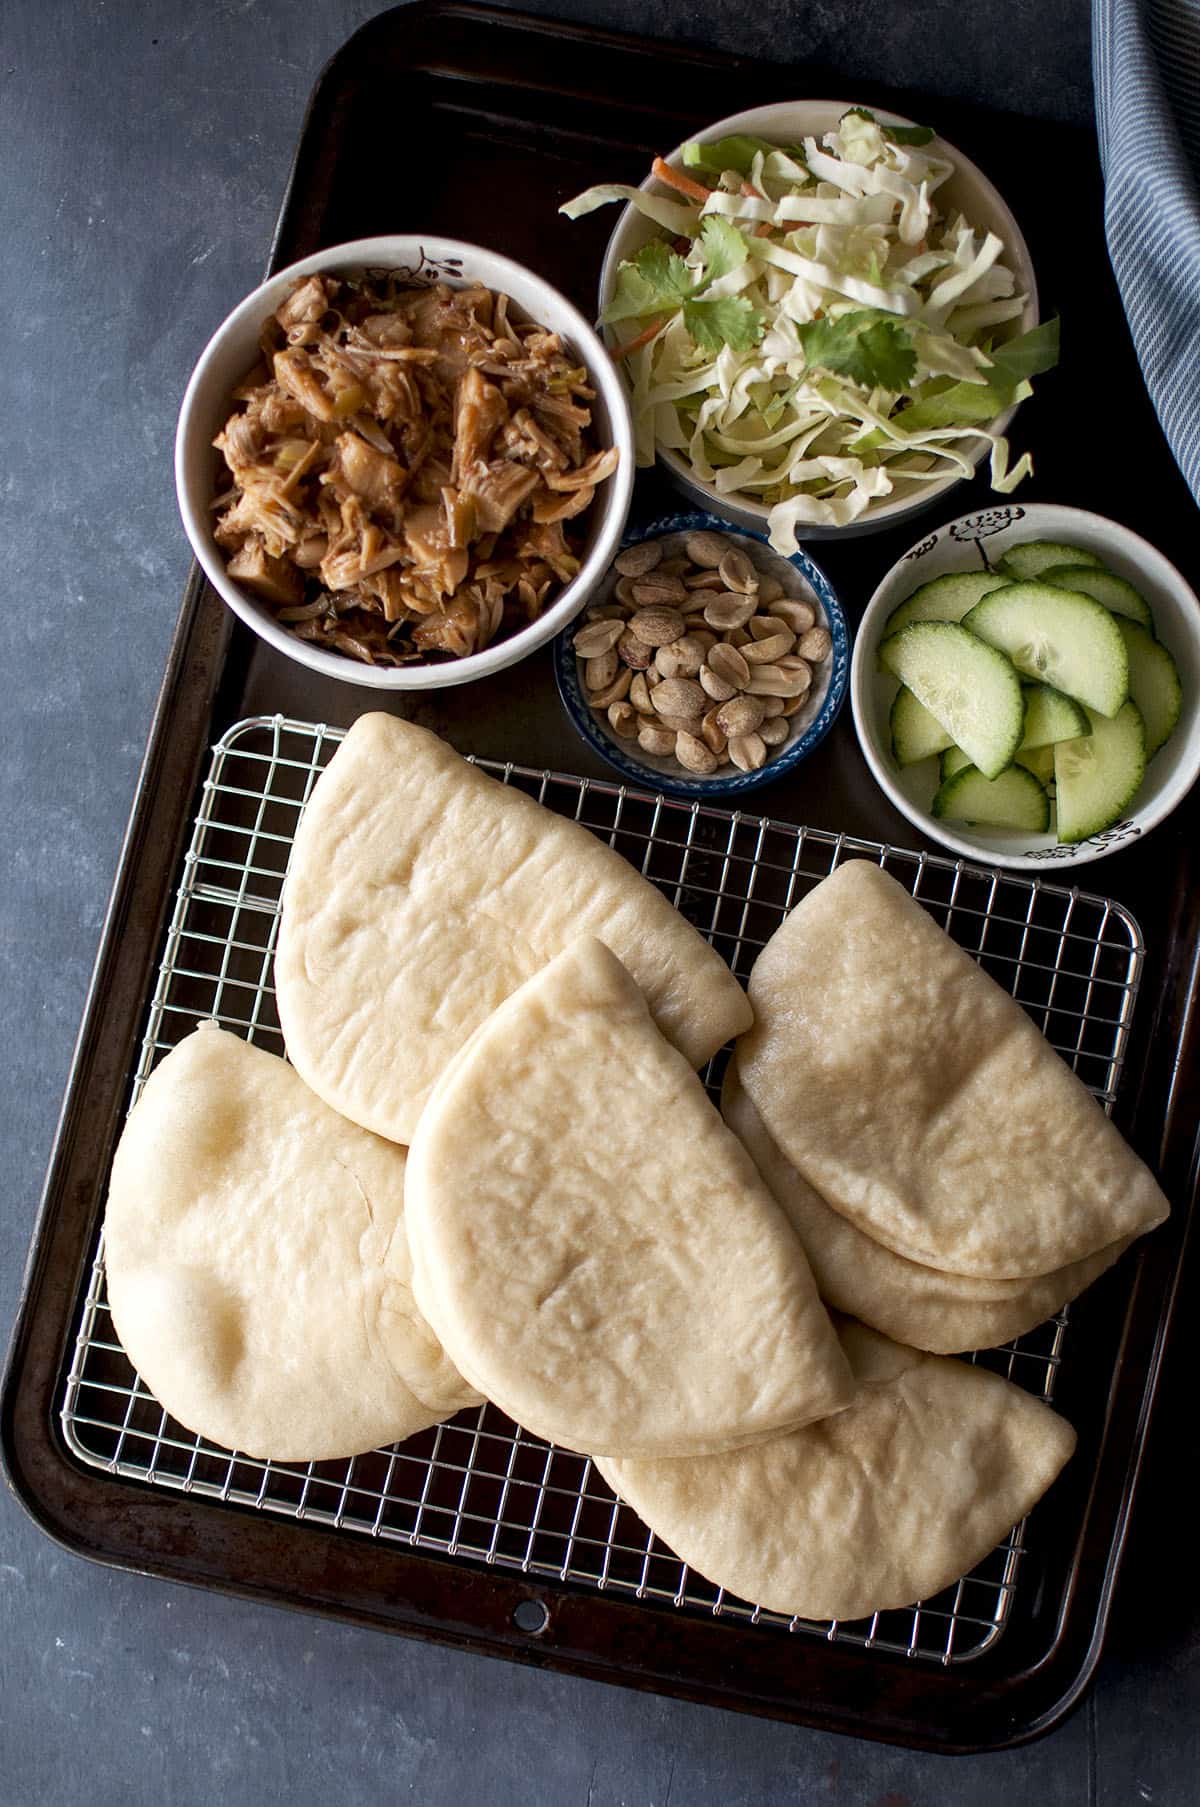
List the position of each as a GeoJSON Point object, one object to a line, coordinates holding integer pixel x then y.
{"type": "Point", "coordinates": [643, 338]}
{"type": "Point", "coordinates": [674, 178]}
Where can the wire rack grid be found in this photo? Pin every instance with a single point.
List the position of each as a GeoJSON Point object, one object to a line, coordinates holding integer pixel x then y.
{"type": "Point", "coordinates": [480, 1488]}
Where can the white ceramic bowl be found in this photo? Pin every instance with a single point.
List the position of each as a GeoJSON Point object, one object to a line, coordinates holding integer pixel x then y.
{"type": "Point", "coordinates": [785, 122]}
{"type": "Point", "coordinates": [232, 351]}
{"type": "Point", "coordinates": [966, 545]}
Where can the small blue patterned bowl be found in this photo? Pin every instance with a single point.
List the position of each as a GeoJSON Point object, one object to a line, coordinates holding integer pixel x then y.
{"type": "Point", "coordinates": [801, 577]}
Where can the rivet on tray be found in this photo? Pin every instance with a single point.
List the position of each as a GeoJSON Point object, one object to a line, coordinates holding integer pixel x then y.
{"type": "Point", "coordinates": [531, 1616]}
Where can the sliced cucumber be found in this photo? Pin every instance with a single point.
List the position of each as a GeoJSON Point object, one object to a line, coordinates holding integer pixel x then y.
{"type": "Point", "coordinates": [1039, 761]}
{"type": "Point", "coordinates": [972, 689]}
{"type": "Point", "coordinates": [944, 598]}
{"type": "Point", "coordinates": [1036, 556]}
{"type": "Point", "coordinates": [1153, 684]}
{"type": "Point", "coordinates": [1014, 799]}
{"type": "Point", "coordinates": [916, 734]}
{"type": "Point", "coordinates": [1119, 597]}
{"type": "Point", "coordinates": [953, 760]}
{"type": "Point", "coordinates": [1051, 716]}
{"type": "Point", "coordinates": [1097, 777]}
{"type": "Point", "coordinates": [1058, 637]}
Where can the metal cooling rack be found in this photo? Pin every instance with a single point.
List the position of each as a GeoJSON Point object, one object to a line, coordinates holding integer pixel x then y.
{"type": "Point", "coordinates": [479, 1488]}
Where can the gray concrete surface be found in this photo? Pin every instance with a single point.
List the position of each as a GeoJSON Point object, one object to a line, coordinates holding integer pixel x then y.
{"type": "Point", "coordinates": [144, 149]}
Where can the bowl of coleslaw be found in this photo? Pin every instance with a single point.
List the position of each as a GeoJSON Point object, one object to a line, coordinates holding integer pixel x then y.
{"type": "Point", "coordinates": [825, 318]}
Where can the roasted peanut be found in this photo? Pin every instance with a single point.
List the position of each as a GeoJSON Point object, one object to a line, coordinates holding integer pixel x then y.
{"type": "Point", "coordinates": [715, 686]}
{"type": "Point", "coordinates": [658, 625]}
{"type": "Point", "coordinates": [639, 695]}
{"type": "Point", "coordinates": [737, 573]}
{"type": "Point", "coordinates": [612, 693]}
{"type": "Point", "coordinates": [729, 664]}
{"type": "Point", "coordinates": [655, 591]}
{"type": "Point", "coordinates": [656, 739]}
{"type": "Point", "coordinates": [816, 644]}
{"type": "Point", "coordinates": [682, 659]}
{"type": "Point", "coordinates": [636, 561]}
{"type": "Point", "coordinates": [741, 715]}
{"type": "Point", "coordinates": [795, 613]}
{"type": "Point", "coordinates": [679, 696]}
{"type": "Point", "coordinates": [635, 653]}
{"type": "Point", "coordinates": [748, 752]}
{"type": "Point", "coordinates": [694, 754]}
{"type": "Point", "coordinates": [727, 610]}
{"type": "Point", "coordinates": [599, 673]}
{"type": "Point", "coordinates": [599, 637]}
{"type": "Point", "coordinates": [707, 549]}
{"type": "Point", "coordinates": [766, 652]}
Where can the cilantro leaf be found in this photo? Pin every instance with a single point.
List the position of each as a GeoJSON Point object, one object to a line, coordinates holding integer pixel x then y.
{"type": "Point", "coordinates": [908, 134]}
{"type": "Point", "coordinates": [724, 249]}
{"type": "Point", "coordinates": [664, 268]}
{"type": "Point", "coordinates": [867, 345]}
{"type": "Point", "coordinates": [655, 281]}
{"type": "Point", "coordinates": [715, 324]}
{"type": "Point", "coordinates": [632, 298]}
{"type": "Point", "coordinates": [899, 134]}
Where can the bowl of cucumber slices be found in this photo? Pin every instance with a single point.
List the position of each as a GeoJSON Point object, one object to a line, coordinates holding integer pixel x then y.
{"type": "Point", "coordinates": [1026, 686]}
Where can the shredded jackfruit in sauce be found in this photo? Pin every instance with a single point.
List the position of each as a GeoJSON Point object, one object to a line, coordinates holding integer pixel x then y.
{"type": "Point", "coordinates": [405, 465]}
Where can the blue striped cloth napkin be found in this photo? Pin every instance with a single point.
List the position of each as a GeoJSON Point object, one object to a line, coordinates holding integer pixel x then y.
{"type": "Point", "coordinates": [1146, 64]}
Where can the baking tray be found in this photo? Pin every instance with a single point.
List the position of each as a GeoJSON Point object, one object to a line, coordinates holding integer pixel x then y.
{"type": "Point", "coordinates": [516, 115]}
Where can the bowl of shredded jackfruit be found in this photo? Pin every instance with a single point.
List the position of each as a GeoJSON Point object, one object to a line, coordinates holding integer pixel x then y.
{"type": "Point", "coordinates": [404, 462]}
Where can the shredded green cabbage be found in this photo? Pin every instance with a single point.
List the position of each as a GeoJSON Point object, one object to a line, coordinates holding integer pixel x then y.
{"type": "Point", "coordinates": [820, 335]}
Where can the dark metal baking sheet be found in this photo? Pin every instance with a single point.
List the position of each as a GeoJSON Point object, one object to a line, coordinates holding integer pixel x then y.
{"type": "Point", "coordinates": [513, 115]}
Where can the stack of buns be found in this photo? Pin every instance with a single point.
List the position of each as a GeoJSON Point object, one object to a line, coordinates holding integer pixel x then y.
{"type": "Point", "coordinates": [491, 1171]}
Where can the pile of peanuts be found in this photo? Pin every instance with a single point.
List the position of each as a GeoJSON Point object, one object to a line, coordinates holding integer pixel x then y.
{"type": "Point", "coordinates": [699, 655]}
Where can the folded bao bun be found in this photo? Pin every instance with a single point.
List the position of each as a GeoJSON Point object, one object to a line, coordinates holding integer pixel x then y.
{"type": "Point", "coordinates": [421, 893]}
{"type": "Point", "coordinates": [594, 1247]}
{"type": "Point", "coordinates": [245, 1241]}
{"type": "Point", "coordinates": [921, 1102]}
{"type": "Point", "coordinates": [880, 1506]}
{"type": "Point", "coordinates": [920, 1306]}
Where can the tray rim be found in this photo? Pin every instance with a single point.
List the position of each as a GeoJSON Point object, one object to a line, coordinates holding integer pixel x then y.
{"type": "Point", "coordinates": [202, 664]}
